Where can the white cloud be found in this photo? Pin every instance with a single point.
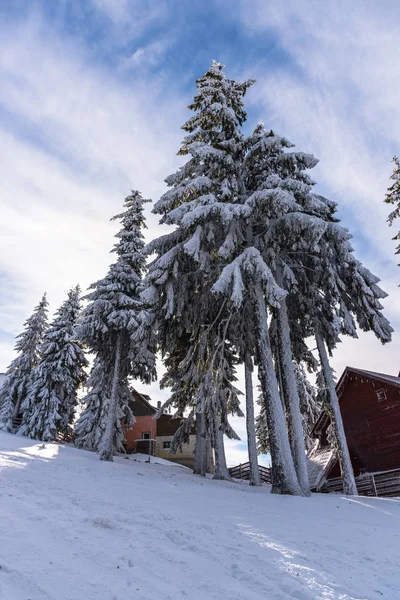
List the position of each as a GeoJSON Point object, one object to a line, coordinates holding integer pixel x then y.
{"type": "Point", "coordinates": [76, 140]}
{"type": "Point", "coordinates": [149, 55]}
{"type": "Point", "coordinates": [131, 15]}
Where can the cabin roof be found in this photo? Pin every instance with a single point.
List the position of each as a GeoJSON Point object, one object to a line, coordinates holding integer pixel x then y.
{"type": "Point", "coordinates": [392, 379]}
{"type": "Point", "coordinates": [381, 377]}
{"type": "Point", "coordinates": [140, 404]}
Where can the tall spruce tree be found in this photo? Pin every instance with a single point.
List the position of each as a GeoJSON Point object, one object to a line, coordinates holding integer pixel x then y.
{"type": "Point", "coordinates": [187, 264]}
{"type": "Point", "coordinates": [111, 319]}
{"type": "Point", "coordinates": [272, 181]}
{"type": "Point", "coordinates": [49, 407]}
{"type": "Point", "coordinates": [393, 197]}
{"type": "Point", "coordinates": [295, 235]}
{"type": "Point", "coordinates": [329, 292]}
{"type": "Point", "coordinates": [18, 377]}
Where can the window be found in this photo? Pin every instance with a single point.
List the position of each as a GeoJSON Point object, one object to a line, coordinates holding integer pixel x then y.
{"type": "Point", "coordinates": [166, 445]}
{"type": "Point", "coordinates": [381, 394]}
{"type": "Point", "coordinates": [146, 435]}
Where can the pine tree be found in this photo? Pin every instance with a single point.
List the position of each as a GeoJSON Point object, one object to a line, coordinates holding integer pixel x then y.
{"type": "Point", "coordinates": [307, 261]}
{"type": "Point", "coordinates": [112, 318]}
{"type": "Point", "coordinates": [256, 274]}
{"type": "Point", "coordinates": [329, 292]}
{"type": "Point", "coordinates": [49, 407]}
{"type": "Point", "coordinates": [18, 377]}
{"type": "Point", "coordinates": [393, 197]}
{"type": "Point", "coordinates": [186, 265]}
{"type": "Point", "coordinates": [89, 427]}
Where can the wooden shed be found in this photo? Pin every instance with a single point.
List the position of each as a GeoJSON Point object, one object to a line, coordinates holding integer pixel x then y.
{"type": "Point", "coordinates": [370, 408]}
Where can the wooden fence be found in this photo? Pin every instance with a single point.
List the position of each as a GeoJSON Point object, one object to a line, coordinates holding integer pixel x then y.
{"type": "Point", "coordinates": [242, 471]}
{"type": "Point", "coordinates": [386, 484]}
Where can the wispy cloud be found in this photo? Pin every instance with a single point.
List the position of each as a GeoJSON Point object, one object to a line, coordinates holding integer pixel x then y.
{"type": "Point", "coordinates": [148, 55]}
{"type": "Point", "coordinates": [75, 139]}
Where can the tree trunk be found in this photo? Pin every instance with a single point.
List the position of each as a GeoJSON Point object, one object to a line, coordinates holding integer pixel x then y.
{"type": "Point", "coordinates": [200, 453]}
{"type": "Point", "coordinates": [284, 479]}
{"type": "Point", "coordinates": [106, 449]}
{"type": "Point", "coordinates": [346, 468]}
{"type": "Point", "coordinates": [291, 396]}
{"type": "Point", "coordinates": [221, 470]}
{"type": "Point", "coordinates": [255, 478]}
{"type": "Point", "coordinates": [16, 408]}
{"type": "Point", "coordinates": [209, 456]}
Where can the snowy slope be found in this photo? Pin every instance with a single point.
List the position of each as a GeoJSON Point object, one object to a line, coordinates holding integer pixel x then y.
{"type": "Point", "coordinates": [74, 528]}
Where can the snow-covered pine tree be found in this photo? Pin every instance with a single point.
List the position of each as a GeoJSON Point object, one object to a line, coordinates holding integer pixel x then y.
{"type": "Point", "coordinates": [49, 407]}
{"type": "Point", "coordinates": [112, 317]}
{"type": "Point", "coordinates": [329, 290]}
{"type": "Point", "coordinates": [18, 376]}
{"type": "Point", "coordinates": [297, 238]}
{"type": "Point", "coordinates": [89, 427]}
{"type": "Point", "coordinates": [393, 197]}
{"type": "Point", "coordinates": [278, 192]}
{"type": "Point", "coordinates": [270, 187]}
{"type": "Point", "coordinates": [202, 192]}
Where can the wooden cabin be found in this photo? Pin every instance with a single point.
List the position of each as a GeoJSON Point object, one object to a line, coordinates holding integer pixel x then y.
{"type": "Point", "coordinates": [370, 408]}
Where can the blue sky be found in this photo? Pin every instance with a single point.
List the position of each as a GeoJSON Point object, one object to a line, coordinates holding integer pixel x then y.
{"type": "Point", "coordinates": [92, 97]}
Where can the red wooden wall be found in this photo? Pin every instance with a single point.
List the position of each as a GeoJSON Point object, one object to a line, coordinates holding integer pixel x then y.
{"type": "Point", "coordinates": [372, 426]}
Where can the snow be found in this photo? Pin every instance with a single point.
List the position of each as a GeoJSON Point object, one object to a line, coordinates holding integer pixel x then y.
{"type": "Point", "coordinates": [73, 527]}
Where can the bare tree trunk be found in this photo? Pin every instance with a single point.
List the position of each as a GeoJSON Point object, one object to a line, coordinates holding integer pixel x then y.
{"type": "Point", "coordinates": [221, 469]}
{"type": "Point", "coordinates": [209, 456]}
{"type": "Point", "coordinates": [284, 479]}
{"type": "Point", "coordinates": [106, 449]}
{"type": "Point", "coordinates": [255, 478]}
{"type": "Point", "coordinates": [200, 453]}
{"type": "Point", "coordinates": [291, 395]}
{"type": "Point", "coordinates": [16, 409]}
{"type": "Point", "coordinates": [346, 468]}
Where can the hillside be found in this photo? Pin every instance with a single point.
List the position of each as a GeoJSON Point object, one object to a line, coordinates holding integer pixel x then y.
{"type": "Point", "coordinates": [75, 528]}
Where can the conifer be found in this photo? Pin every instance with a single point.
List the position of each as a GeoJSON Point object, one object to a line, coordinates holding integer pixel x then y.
{"type": "Point", "coordinates": [18, 376]}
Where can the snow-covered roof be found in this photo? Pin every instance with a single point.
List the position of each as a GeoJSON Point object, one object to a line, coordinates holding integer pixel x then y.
{"type": "Point", "coordinates": [381, 376]}
{"type": "Point", "coordinates": [318, 463]}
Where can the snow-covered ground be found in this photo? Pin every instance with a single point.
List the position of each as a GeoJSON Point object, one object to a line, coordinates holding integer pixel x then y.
{"type": "Point", "coordinates": [75, 528]}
